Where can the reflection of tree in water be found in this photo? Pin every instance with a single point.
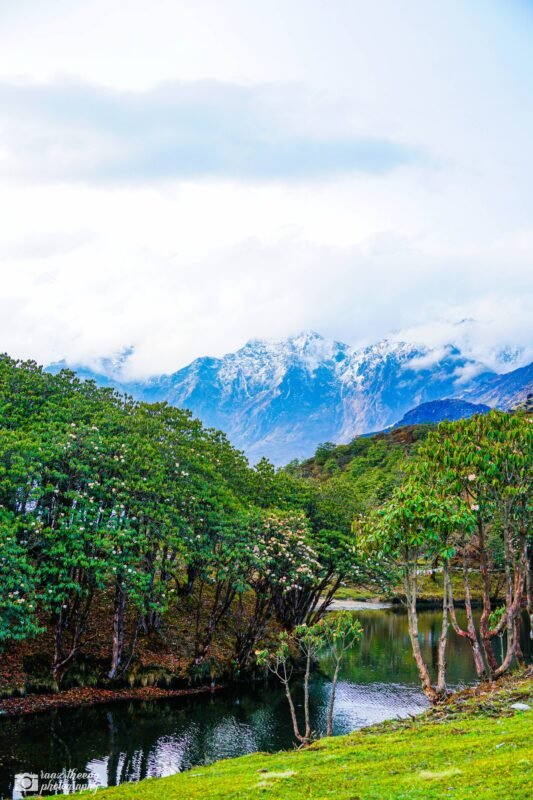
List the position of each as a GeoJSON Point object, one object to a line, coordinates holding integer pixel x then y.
{"type": "Point", "coordinates": [164, 738]}
{"type": "Point", "coordinates": [384, 653]}
{"type": "Point", "coordinates": [130, 741]}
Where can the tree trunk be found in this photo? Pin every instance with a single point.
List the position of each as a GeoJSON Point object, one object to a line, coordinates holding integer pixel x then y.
{"type": "Point", "coordinates": [514, 575]}
{"type": "Point", "coordinates": [443, 640]}
{"type": "Point", "coordinates": [74, 619]}
{"type": "Point", "coordinates": [329, 730]}
{"type": "Point", "coordinates": [248, 632]}
{"type": "Point", "coordinates": [486, 637]}
{"type": "Point", "coordinates": [295, 728]}
{"type": "Point", "coordinates": [118, 630]}
{"type": "Point", "coordinates": [517, 647]}
{"type": "Point", "coordinates": [307, 736]}
{"type": "Point", "coordinates": [513, 615]}
{"type": "Point", "coordinates": [412, 617]}
{"type": "Point", "coordinates": [470, 632]}
{"type": "Point", "coordinates": [223, 598]}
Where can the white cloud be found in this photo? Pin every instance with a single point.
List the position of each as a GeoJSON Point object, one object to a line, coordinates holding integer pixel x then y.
{"type": "Point", "coordinates": [491, 328]}
{"type": "Point", "coordinates": [71, 131]}
{"type": "Point", "coordinates": [44, 245]}
{"type": "Point", "coordinates": [173, 307]}
{"type": "Point", "coordinates": [98, 253]}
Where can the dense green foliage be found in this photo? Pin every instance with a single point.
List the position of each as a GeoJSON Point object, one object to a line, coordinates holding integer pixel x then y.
{"type": "Point", "coordinates": [351, 479]}
{"type": "Point", "coordinates": [105, 502]}
{"type": "Point", "coordinates": [103, 496]}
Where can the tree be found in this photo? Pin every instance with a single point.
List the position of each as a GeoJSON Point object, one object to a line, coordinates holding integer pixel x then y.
{"type": "Point", "coordinates": [416, 524]}
{"type": "Point", "coordinates": [307, 640]}
{"type": "Point", "coordinates": [309, 567]}
{"type": "Point", "coordinates": [284, 575]}
{"type": "Point", "coordinates": [18, 599]}
{"type": "Point", "coordinates": [340, 631]}
{"type": "Point", "coordinates": [487, 461]}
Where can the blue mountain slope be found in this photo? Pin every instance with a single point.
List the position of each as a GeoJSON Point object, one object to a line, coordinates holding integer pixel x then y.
{"type": "Point", "coordinates": [501, 391]}
{"type": "Point", "coordinates": [281, 399]}
{"type": "Point", "coordinates": [439, 410]}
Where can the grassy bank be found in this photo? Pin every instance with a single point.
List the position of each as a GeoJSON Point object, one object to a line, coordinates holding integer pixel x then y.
{"type": "Point", "coordinates": [430, 590]}
{"type": "Point", "coordinates": [475, 746]}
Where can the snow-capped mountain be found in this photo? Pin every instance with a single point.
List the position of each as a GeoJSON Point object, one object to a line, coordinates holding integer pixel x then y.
{"type": "Point", "coordinates": [281, 399]}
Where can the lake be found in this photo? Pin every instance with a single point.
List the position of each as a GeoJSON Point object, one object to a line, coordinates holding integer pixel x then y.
{"type": "Point", "coordinates": [127, 741]}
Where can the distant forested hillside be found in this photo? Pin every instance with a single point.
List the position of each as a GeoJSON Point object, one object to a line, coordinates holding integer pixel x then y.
{"type": "Point", "coordinates": [350, 479]}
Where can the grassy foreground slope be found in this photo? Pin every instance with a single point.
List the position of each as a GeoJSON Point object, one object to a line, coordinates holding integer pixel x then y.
{"type": "Point", "coordinates": [478, 747]}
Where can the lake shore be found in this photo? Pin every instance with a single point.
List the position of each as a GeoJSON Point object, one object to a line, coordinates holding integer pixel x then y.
{"type": "Point", "coordinates": [459, 749]}
{"type": "Point", "coordinates": [430, 591]}
{"type": "Point", "coordinates": [358, 605]}
{"type": "Point", "coordinates": [85, 696]}
{"type": "Point", "coordinates": [22, 703]}
{"type": "Point", "coordinates": [141, 723]}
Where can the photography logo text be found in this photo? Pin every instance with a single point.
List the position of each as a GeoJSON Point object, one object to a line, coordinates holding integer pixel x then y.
{"type": "Point", "coordinates": [28, 783]}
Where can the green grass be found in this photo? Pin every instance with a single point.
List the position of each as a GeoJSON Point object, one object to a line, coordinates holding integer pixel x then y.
{"type": "Point", "coordinates": [476, 748]}
{"type": "Point", "coordinates": [354, 593]}
{"type": "Point", "coordinates": [430, 589]}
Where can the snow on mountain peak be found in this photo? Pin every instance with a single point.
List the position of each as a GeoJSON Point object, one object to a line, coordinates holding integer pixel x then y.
{"type": "Point", "coordinates": [313, 349]}
{"type": "Point", "coordinates": [280, 399]}
{"type": "Point", "coordinates": [263, 361]}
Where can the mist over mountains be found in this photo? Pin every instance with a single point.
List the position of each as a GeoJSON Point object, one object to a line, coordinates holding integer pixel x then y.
{"type": "Point", "coordinates": [281, 399]}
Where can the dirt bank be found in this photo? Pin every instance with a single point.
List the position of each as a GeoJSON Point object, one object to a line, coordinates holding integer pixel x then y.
{"type": "Point", "coordinates": [74, 698]}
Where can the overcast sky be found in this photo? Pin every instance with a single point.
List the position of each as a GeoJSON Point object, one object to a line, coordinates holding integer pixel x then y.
{"type": "Point", "coordinates": [183, 176]}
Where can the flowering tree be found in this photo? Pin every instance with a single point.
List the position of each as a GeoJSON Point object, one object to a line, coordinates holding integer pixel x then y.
{"type": "Point", "coordinates": [280, 570]}
{"type": "Point", "coordinates": [18, 600]}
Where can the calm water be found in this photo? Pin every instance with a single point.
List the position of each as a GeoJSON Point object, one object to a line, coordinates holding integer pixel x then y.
{"type": "Point", "coordinates": [129, 741]}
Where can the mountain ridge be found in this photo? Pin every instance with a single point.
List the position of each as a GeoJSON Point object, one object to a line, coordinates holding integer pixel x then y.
{"type": "Point", "coordinates": [435, 411]}
{"type": "Point", "coordinates": [281, 399]}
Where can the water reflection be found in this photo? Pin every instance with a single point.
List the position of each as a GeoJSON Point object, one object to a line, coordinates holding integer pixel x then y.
{"type": "Point", "coordinates": [130, 741]}
{"type": "Point", "coordinates": [384, 653]}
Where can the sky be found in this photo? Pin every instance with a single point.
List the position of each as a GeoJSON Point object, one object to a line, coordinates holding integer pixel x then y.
{"type": "Point", "coordinates": [179, 177]}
